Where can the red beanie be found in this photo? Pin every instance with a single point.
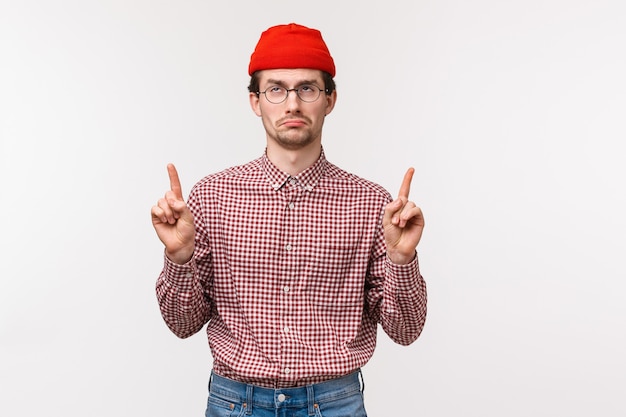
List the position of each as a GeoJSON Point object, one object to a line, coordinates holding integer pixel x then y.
{"type": "Point", "coordinates": [291, 46]}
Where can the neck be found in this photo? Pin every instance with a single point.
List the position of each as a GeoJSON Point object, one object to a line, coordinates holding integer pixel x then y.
{"type": "Point", "coordinates": [294, 161]}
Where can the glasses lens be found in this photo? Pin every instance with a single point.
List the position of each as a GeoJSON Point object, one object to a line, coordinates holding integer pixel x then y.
{"type": "Point", "coordinates": [308, 93]}
{"type": "Point", "coordinates": [276, 94]}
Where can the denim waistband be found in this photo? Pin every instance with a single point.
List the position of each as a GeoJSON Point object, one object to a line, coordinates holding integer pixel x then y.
{"type": "Point", "coordinates": [274, 398]}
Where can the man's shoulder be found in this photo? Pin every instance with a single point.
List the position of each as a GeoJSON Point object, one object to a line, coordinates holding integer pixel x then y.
{"type": "Point", "coordinates": [244, 172]}
{"type": "Point", "coordinates": [338, 176]}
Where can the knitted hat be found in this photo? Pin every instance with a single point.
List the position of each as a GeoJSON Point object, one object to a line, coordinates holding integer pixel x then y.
{"type": "Point", "coordinates": [291, 46]}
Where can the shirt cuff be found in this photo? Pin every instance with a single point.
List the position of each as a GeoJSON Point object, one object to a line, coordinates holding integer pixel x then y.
{"type": "Point", "coordinates": [403, 276]}
{"type": "Point", "coordinates": [179, 276]}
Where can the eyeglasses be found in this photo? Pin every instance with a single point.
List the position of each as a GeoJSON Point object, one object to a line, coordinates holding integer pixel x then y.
{"type": "Point", "coordinates": [306, 92]}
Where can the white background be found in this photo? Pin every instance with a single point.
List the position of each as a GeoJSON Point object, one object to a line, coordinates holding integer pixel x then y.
{"type": "Point", "coordinates": [512, 113]}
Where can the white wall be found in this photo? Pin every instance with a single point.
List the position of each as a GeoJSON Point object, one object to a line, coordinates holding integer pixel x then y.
{"type": "Point", "coordinates": [512, 113]}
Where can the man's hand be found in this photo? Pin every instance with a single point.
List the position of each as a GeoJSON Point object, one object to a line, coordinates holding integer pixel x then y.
{"type": "Point", "coordinates": [173, 222]}
{"type": "Point", "coordinates": [403, 223]}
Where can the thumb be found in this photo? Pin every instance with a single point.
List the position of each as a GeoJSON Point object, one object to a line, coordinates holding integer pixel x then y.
{"type": "Point", "coordinates": [391, 209]}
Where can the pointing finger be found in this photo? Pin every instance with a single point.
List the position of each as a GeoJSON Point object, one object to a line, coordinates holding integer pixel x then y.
{"type": "Point", "coordinates": [406, 183]}
{"type": "Point", "coordinates": [174, 181]}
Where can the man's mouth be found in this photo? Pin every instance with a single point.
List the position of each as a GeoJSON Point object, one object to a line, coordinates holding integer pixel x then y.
{"type": "Point", "coordinates": [293, 123]}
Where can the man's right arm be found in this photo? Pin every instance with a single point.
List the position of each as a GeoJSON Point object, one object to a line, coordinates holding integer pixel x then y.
{"type": "Point", "coordinates": [182, 297]}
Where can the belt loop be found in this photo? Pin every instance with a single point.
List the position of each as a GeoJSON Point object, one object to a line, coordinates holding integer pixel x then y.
{"type": "Point", "coordinates": [249, 392]}
{"type": "Point", "coordinates": [310, 396]}
{"type": "Point", "coordinates": [362, 381]}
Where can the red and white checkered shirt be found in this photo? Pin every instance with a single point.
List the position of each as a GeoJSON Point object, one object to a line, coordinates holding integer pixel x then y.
{"type": "Point", "coordinates": [291, 275]}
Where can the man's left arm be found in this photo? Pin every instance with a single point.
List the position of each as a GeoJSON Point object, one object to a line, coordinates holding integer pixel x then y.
{"type": "Point", "coordinates": [403, 309]}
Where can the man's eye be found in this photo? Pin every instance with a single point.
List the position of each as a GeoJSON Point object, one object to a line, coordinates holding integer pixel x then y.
{"type": "Point", "coordinates": [275, 89]}
{"type": "Point", "coordinates": [306, 88]}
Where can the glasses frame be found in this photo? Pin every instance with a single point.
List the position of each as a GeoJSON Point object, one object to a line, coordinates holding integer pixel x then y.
{"type": "Point", "coordinates": [296, 89]}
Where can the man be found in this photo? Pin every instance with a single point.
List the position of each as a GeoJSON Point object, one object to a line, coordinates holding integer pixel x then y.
{"type": "Point", "coordinates": [290, 260]}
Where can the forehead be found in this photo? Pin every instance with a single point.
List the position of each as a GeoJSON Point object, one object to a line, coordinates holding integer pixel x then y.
{"type": "Point", "coordinates": [290, 76]}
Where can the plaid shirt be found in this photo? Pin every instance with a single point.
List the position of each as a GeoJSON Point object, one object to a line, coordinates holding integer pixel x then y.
{"type": "Point", "coordinates": [291, 275]}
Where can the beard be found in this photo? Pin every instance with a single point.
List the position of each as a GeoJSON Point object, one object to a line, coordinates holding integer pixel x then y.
{"type": "Point", "coordinates": [294, 138]}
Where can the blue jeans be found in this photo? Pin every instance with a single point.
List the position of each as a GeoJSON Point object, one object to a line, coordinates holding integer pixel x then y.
{"type": "Point", "coordinates": [341, 397]}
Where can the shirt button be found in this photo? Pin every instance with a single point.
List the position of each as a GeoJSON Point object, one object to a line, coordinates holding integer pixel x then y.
{"type": "Point", "coordinates": [287, 370]}
{"type": "Point", "coordinates": [281, 398]}
{"type": "Point", "coordinates": [288, 247]}
{"type": "Point", "coordinates": [286, 329]}
{"type": "Point", "coordinates": [286, 288]}
{"type": "Point", "coordinates": [188, 275]}
{"type": "Point", "coordinates": [291, 205]}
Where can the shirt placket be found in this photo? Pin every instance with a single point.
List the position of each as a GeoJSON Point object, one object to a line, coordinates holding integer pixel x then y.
{"type": "Point", "coordinates": [288, 296]}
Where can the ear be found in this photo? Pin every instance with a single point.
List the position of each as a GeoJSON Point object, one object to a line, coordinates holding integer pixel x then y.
{"type": "Point", "coordinates": [255, 103]}
{"type": "Point", "coordinates": [331, 99]}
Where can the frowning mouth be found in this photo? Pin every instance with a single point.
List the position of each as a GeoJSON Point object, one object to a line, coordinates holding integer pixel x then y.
{"type": "Point", "coordinates": [292, 122]}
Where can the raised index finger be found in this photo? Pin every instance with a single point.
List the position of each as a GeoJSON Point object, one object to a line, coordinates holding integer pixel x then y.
{"type": "Point", "coordinates": [174, 181]}
{"type": "Point", "coordinates": [406, 183]}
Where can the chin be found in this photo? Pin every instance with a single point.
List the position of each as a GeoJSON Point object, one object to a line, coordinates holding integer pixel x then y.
{"type": "Point", "coordinates": [294, 144]}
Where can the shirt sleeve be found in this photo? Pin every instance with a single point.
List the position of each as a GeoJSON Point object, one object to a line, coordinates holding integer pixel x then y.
{"type": "Point", "coordinates": [396, 297]}
{"type": "Point", "coordinates": [403, 309]}
{"type": "Point", "coordinates": [184, 306]}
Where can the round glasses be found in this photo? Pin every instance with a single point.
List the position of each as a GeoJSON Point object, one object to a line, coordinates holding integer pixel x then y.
{"type": "Point", "coordinates": [306, 92]}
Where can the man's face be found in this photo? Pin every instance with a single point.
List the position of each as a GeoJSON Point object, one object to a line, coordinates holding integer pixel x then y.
{"type": "Point", "coordinates": [292, 124]}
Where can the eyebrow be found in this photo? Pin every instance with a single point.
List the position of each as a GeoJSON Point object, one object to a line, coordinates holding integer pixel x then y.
{"type": "Point", "coordinates": [282, 83]}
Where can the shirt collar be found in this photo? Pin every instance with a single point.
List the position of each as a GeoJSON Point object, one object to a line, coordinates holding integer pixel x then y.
{"type": "Point", "coordinates": [307, 179]}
